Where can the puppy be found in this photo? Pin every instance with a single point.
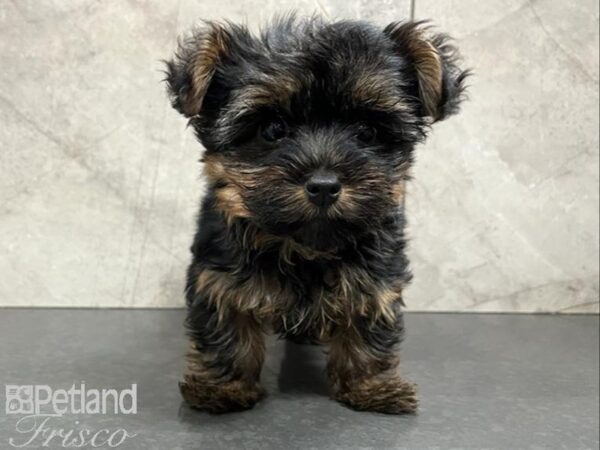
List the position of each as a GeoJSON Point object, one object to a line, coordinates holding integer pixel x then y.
{"type": "Point", "coordinates": [309, 132]}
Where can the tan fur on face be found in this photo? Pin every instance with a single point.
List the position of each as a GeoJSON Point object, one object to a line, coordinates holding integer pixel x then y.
{"type": "Point", "coordinates": [230, 202]}
{"type": "Point", "coordinates": [230, 185]}
{"type": "Point", "coordinates": [269, 90]}
{"type": "Point", "coordinates": [353, 196]}
{"type": "Point", "coordinates": [399, 192]}
{"type": "Point", "coordinates": [298, 198]}
{"type": "Point", "coordinates": [374, 89]}
{"type": "Point", "coordinates": [272, 90]}
{"type": "Point", "coordinates": [347, 203]}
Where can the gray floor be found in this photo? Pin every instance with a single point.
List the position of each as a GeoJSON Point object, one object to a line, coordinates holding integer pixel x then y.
{"type": "Point", "coordinates": [486, 381]}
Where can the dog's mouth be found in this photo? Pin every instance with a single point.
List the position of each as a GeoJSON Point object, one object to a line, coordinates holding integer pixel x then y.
{"type": "Point", "coordinates": [320, 232]}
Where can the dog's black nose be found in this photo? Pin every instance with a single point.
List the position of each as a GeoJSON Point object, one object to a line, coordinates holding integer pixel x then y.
{"type": "Point", "coordinates": [323, 188]}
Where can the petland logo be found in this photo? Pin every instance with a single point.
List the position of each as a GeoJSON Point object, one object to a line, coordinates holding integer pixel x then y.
{"type": "Point", "coordinates": [43, 412]}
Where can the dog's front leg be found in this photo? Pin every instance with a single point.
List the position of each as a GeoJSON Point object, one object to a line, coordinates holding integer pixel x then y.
{"type": "Point", "coordinates": [224, 360]}
{"type": "Point", "coordinates": [363, 365]}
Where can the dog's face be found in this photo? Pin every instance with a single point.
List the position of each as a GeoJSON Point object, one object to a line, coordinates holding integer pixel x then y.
{"type": "Point", "coordinates": [309, 129]}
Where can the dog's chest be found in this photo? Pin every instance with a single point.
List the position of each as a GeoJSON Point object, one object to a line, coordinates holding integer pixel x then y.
{"type": "Point", "coordinates": [311, 297]}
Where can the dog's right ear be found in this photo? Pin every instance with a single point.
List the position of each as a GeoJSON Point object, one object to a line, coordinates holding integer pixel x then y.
{"type": "Point", "coordinates": [191, 71]}
{"type": "Point", "coordinates": [436, 64]}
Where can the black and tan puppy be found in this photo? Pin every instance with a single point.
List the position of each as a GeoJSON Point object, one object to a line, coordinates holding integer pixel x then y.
{"type": "Point", "coordinates": [309, 132]}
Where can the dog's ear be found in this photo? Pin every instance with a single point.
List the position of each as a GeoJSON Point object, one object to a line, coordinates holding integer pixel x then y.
{"type": "Point", "coordinates": [190, 72]}
{"type": "Point", "coordinates": [434, 61]}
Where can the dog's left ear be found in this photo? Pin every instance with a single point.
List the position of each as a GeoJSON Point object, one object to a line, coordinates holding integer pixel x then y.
{"type": "Point", "coordinates": [192, 70]}
{"type": "Point", "coordinates": [434, 61]}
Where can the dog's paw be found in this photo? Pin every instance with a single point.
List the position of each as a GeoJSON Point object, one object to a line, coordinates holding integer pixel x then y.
{"type": "Point", "coordinates": [218, 398]}
{"type": "Point", "coordinates": [390, 396]}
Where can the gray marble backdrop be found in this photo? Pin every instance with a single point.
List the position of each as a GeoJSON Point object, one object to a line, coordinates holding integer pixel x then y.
{"type": "Point", "coordinates": [99, 179]}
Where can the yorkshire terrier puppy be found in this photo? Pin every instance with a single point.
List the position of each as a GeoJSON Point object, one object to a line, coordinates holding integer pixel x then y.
{"type": "Point", "coordinates": [308, 132]}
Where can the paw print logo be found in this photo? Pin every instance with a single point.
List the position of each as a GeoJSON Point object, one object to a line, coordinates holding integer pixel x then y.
{"type": "Point", "coordinates": [19, 399]}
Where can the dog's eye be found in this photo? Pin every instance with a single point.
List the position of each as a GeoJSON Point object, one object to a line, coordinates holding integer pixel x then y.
{"type": "Point", "coordinates": [274, 130]}
{"type": "Point", "coordinates": [366, 134]}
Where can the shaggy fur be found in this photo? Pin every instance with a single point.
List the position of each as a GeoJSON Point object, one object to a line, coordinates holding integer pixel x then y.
{"type": "Point", "coordinates": [344, 99]}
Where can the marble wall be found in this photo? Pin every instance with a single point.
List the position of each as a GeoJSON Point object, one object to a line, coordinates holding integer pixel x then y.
{"type": "Point", "coordinates": [99, 178]}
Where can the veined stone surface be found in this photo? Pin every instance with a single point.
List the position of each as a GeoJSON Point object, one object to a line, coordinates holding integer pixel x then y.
{"type": "Point", "coordinates": [504, 205]}
{"type": "Point", "coordinates": [99, 180]}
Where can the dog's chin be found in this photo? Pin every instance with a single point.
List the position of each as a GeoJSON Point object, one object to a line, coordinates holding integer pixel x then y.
{"type": "Point", "coordinates": [319, 233]}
